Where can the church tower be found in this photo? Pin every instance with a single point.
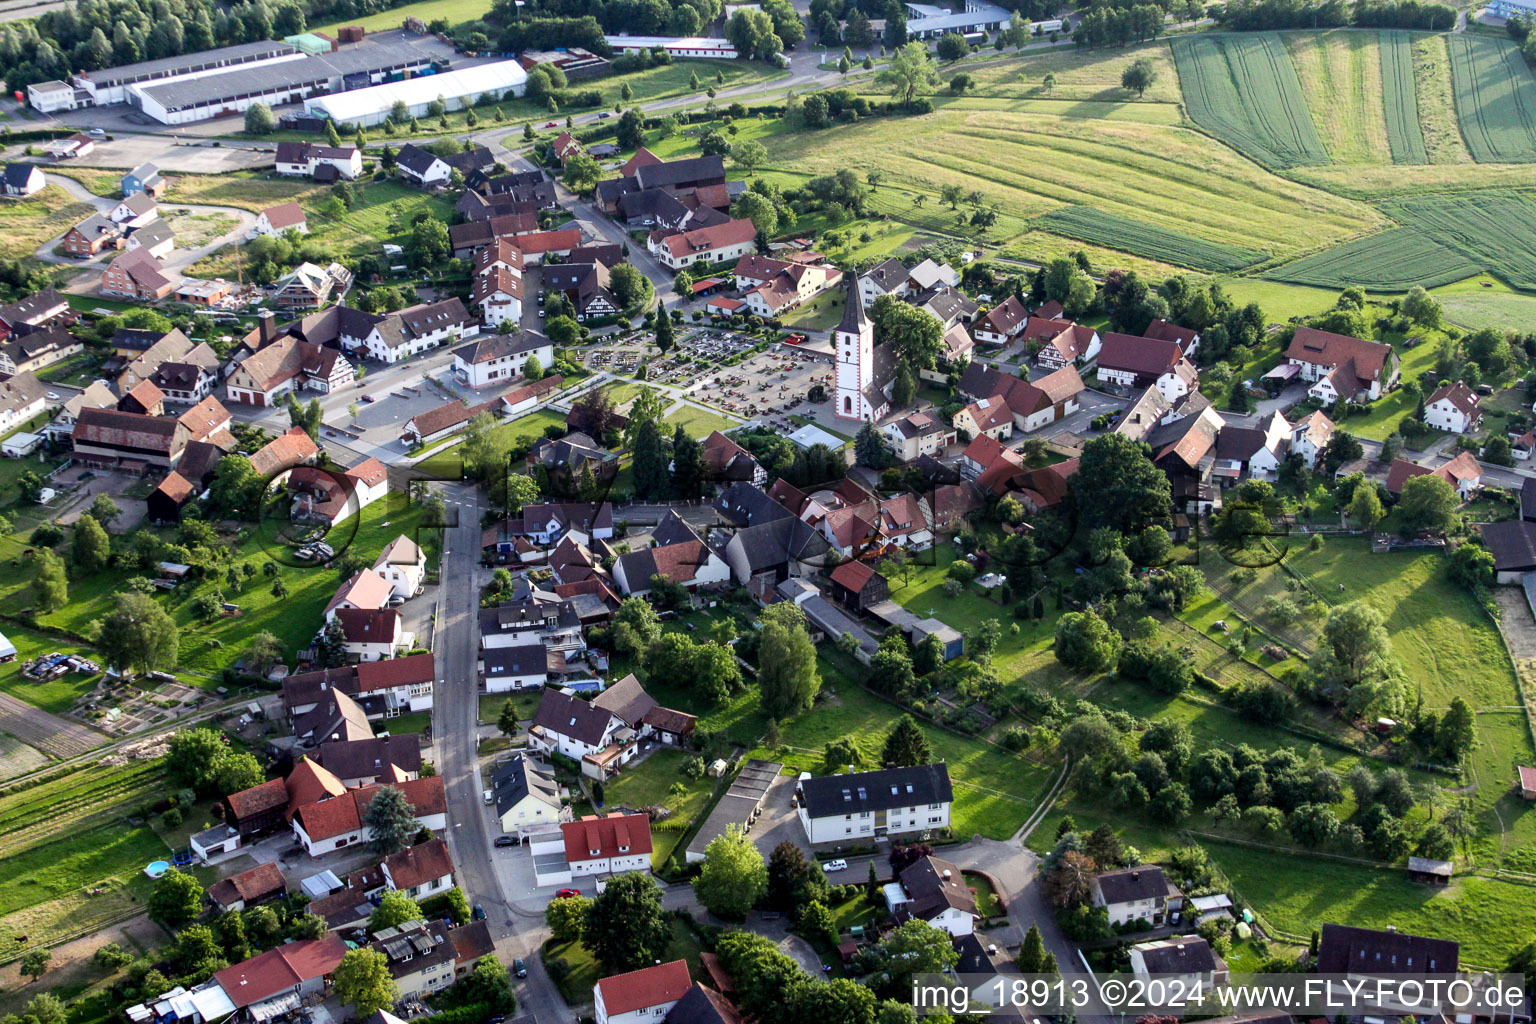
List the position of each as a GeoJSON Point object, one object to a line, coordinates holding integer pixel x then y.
{"type": "Point", "coordinates": [854, 354]}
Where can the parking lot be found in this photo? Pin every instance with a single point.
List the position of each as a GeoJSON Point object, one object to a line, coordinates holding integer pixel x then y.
{"type": "Point", "coordinates": [381, 421]}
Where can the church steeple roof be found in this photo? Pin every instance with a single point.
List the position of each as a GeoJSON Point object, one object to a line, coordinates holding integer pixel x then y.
{"type": "Point", "coordinates": [855, 320]}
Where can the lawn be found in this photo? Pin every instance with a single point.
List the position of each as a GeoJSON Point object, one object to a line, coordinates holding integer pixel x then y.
{"type": "Point", "coordinates": [452, 11]}
{"type": "Point", "coordinates": [658, 781]}
{"type": "Point", "coordinates": [584, 972]}
{"type": "Point", "coordinates": [525, 701]}
{"type": "Point", "coordinates": [55, 695]}
{"type": "Point", "coordinates": [417, 722]}
{"type": "Point", "coordinates": [699, 422]}
{"type": "Point", "coordinates": [448, 464]}
{"type": "Point", "coordinates": [987, 902]}
{"type": "Point", "coordinates": [28, 223]}
{"type": "Point", "coordinates": [1485, 301]}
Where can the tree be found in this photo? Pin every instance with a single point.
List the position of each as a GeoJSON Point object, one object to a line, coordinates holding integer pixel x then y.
{"type": "Point", "coordinates": [236, 489]}
{"type": "Point", "coordinates": [90, 547]}
{"type": "Point", "coordinates": [649, 462]}
{"type": "Point", "coordinates": [104, 510]}
{"type": "Point", "coordinates": [567, 918]}
{"type": "Point", "coordinates": [34, 963]}
{"type": "Point", "coordinates": [733, 877]}
{"type": "Point", "coordinates": [1365, 507]}
{"type": "Point", "coordinates": [905, 745]}
{"type": "Point", "coordinates": [916, 947]}
{"type": "Point", "coordinates": [1139, 76]}
{"type": "Point", "coordinates": [625, 928]}
{"type": "Point", "coordinates": [890, 670]}
{"type": "Point", "coordinates": [910, 74]}
{"type": "Point", "coordinates": [749, 155]}
{"type": "Point", "coordinates": [917, 334]}
{"type": "Point", "coordinates": [1355, 648]}
{"type": "Point", "coordinates": [176, 898]}
{"type": "Point", "coordinates": [237, 771]}
{"type": "Point", "coordinates": [394, 909]}
{"type": "Point", "coordinates": [138, 635]}
{"type": "Point", "coordinates": [952, 46]}
{"type": "Point", "coordinates": [787, 672]}
{"type": "Point", "coordinates": [787, 867]}
{"type": "Point", "coordinates": [983, 640]}
{"type": "Point", "coordinates": [630, 133]}
{"type": "Point", "coordinates": [50, 587]}
{"type": "Point", "coordinates": [1116, 485]}
{"type": "Point", "coordinates": [665, 339]}
{"type": "Point", "coordinates": [1428, 503]}
{"type": "Point", "coordinates": [869, 448]}
{"type": "Point", "coordinates": [1086, 643]}
{"type": "Point", "coordinates": [363, 981]}
{"type": "Point", "coordinates": [259, 120]}
{"type": "Point", "coordinates": [428, 242]}
{"type": "Point", "coordinates": [759, 209]}
{"type": "Point", "coordinates": [1314, 825]}
{"type": "Point", "coordinates": [630, 287]}
{"type": "Point", "coordinates": [391, 821]}
{"type": "Point", "coordinates": [636, 626]}
{"type": "Point", "coordinates": [1421, 307]}
{"type": "Point", "coordinates": [1341, 448]}
{"type": "Point", "coordinates": [1456, 734]}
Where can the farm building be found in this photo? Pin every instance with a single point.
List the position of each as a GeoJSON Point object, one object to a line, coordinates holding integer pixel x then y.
{"type": "Point", "coordinates": [676, 46]}
{"type": "Point", "coordinates": [372, 106]}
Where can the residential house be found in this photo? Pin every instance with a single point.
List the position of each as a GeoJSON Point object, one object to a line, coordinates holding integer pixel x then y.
{"type": "Point", "coordinates": [931, 274]}
{"type": "Point", "coordinates": [637, 710]}
{"type": "Point", "coordinates": [1463, 473]}
{"type": "Point", "coordinates": [271, 983]}
{"type": "Point", "coordinates": [1455, 408]}
{"type": "Point", "coordinates": [36, 311]}
{"type": "Point", "coordinates": [327, 825]}
{"type": "Point", "coordinates": [365, 589]}
{"type": "Point", "coordinates": [888, 278]}
{"type": "Point", "coordinates": [1187, 338]}
{"type": "Point", "coordinates": [363, 762]}
{"type": "Point", "coordinates": [526, 794]}
{"type": "Point", "coordinates": [1002, 323]}
{"type": "Point", "coordinates": [37, 350]}
{"type": "Point", "coordinates": [135, 211]}
{"type": "Point", "coordinates": [935, 891]}
{"type": "Point", "coordinates": [1185, 960]}
{"type": "Point", "coordinates": [773, 551]}
{"type": "Point", "coordinates": [1046, 487]}
{"type": "Point", "coordinates": [536, 246]}
{"type": "Point", "coordinates": [310, 286]}
{"type": "Point", "coordinates": [275, 220]}
{"type": "Point", "coordinates": [1342, 368]}
{"type": "Point", "coordinates": [1185, 450]}
{"type": "Point", "coordinates": [990, 463]}
{"type": "Point", "coordinates": [187, 381]}
{"type": "Point", "coordinates": [421, 955]}
{"type": "Point", "coordinates": [416, 329]}
{"type": "Point", "coordinates": [322, 163]}
{"type": "Point", "coordinates": [857, 806]}
{"type": "Point", "coordinates": [729, 241]}
{"type": "Point", "coordinates": [419, 871]}
{"type": "Point", "coordinates": [403, 565]}
{"type": "Point", "coordinates": [260, 884]}
{"type": "Point", "coordinates": [702, 1005]}
{"type": "Point", "coordinates": [93, 234]}
{"type": "Point", "coordinates": [585, 285]}
{"type": "Point", "coordinates": [858, 586]}
{"type": "Point", "coordinates": [445, 420]}
{"type": "Point", "coordinates": [952, 502]}
{"type": "Point", "coordinates": [498, 294]}
{"type": "Point", "coordinates": [285, 366]}
{"type": "Point", "coordinates": [917, 434]}
{"type": "Point", "coordinates": [143, 398]}
{"type": "Point", "coordinates": [790, 287]}
{"type": "Point", "coordinates": [373, 634]}
{"type": "Point", "coordinates": [686, 561]}
{"type": "Point", "coordinates": [946, 304]}
{"type": "Point", "coordinates": [1310, 436]}
{"type": "Point", "coordinates": [383, 689]}
{"type": "Point", "coordinates": [136, 274]}
{"type": "Point", "coordinates": [639, 997]}
{"type": "Point", "coordinates": [1062, 342]}
{"type": "Point", "coordinates": [581, 732]}
{"type": "Point", "coordinates": [730, 463]}
{"type": "Point", "coordinates": [608, 845]}
{"type": "Point", "coordinates": [1140, 893]}
{"type": "Point", "coordinates": [566, 456]}
{"type": "Point", "coordinates": [144, 178]}
{"type": "Point", "coordinates": [1252, 452]}
{"type": "Point", "coordinates": [1003, 403]}
{"type": "Point", "coordinates": [681, 177]}
{"type": "Point", "coordinates": [95, 396]}
{"type": "Point", "coordinates": [24, 179]}
{"type": "Point", "coordinates": [274, 460]}
{"type": "Point", "coordinates": [1127, 361]}
{"type": "Point", "coordinates": [1371, 952]}
{"type": "Point", "coordinates": [421, 167]}
{"type": "Point", "coordinates": [547, 523]}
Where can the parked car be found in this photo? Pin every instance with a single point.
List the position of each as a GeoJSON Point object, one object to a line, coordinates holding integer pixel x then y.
{"type": "Point", "coordinates": [835, 865]}
{"type": "Point", "coordinates": [478, 913]}
{"type": "Point", "coordinates": [503, 842]}
{"type": "Point", "coordinates": [519, 968]}
{"type": "Point", "coordinates": [563, 893]}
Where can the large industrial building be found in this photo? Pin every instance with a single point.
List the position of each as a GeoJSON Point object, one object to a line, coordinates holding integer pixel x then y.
{"type": "Point", "coordinates": [676, 46]}
{"type": "Point", "coordinates": [287, 80]}
{"type": "Point", "coordinates": [110, 85]}
{"type": "Point", "coordinates": [457, 89]}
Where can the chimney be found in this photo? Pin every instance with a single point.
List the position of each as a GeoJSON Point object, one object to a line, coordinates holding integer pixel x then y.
{"type": "Point", "coordinates": [266, 328]}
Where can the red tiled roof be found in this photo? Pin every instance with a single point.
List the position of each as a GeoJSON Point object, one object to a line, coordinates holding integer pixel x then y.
{"type": "Point", "coordinates": [261, 880]}
{"type": "Point", "coordinates": [1142, 356]}
{"type": "Point", "coordinates": [419, 864]}
{"type": "Point", "coordinates": [282, 968]}
{"type": "Point", "coordinates": [340, 815]}
{"type": "Point", "coordinates": [249, 802]}
{"type": "Point", "coordinates": [309, 783]}
{"type": "Point", "coordinates": [853, 575]}
{"type": "Point", "coordinates": [176, 487]}
{"type": "Point", "coordinates": [370, 472]}
{"type": "Point", "coordinates": [718, 236]}
{"type": "Point", "coordinates": [1401, 472]}
{"type": "Point", "coordinates": [1460, 396]}
{"type": "Point", "coordinates": [285, 452]}
{"type": "Point", "coordinates": [385, 675]}
{"type": "Point", "coordinates": [649, 986]}
{"type": "Point", "coordinates": [606, 835]}
{"type": "Point", "coordinates": [1325, 348]}
{"type": "Point", "coordinates": [284, 215]}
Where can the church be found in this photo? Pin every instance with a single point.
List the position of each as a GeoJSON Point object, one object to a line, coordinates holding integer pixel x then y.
{"type": "Point", "coordinates": [864, 373]}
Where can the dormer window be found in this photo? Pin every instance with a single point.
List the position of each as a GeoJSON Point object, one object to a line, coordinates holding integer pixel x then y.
{"type": "Point", "coordinates": [623, 849]}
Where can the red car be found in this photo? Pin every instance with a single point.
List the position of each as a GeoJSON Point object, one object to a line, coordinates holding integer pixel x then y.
{"type": "Point", "coordinates": [368, 398]}
{"type": "Point", "coordinates": [795, 339]}
{"type": "Point", "coordinates": [551, 124]}
{"type": "Point", "coordinates": [563, 893]}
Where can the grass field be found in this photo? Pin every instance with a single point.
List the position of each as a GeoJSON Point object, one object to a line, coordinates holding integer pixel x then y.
{"type": "Point", "coordinates": [1495, 230]}
{"type": "Point", "coordinates": [452, 11]}
{"type": "Point", "coordinates": [1244, 90]}
{"type": "Point", "coordinates": [1392, 261]}
{"type": "Point", "coordinates": [1157, 243]}
{"type": "Point", "coordinates": [1437, 104]}
{"type": "Point", "coordinates": [699, 422]}
{"type": "Point", "coordinates": [1482, 301]}
{"type": "Point", "coordinates": [654, 787]}
{"type": "Point", "coordinates": [28, 223]}
{"type": "Point", "coordinates": [447, 463]}
{"type": "Point", "coordinates": [1495, 99]}
{"type": "Point", "coordinates": [1400, 102]}
{"type": "Point", "coordinates": [1342, 74]}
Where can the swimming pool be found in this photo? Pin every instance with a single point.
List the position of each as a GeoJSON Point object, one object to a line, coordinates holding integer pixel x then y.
{"type": "Point", "coordinates": [157, 868]}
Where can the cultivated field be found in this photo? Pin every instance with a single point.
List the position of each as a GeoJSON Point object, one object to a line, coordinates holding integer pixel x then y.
{"type": "Point", "coordinates": [1495, 99]}
{"type": "Point", "coordinates": [1144, 239]}
{"type": "Point", "coordinates": [1494, 229]}
{"type": "Point", "coordinates": [1437, 104]}
{"type": "Point", "coordinates": [1392, 261]}
{"type": "Point", "coordinates": [1244, 91]}
{"type": "Point", "coordinates": [1341, 76]}
{"type": "Point", "coordinates": [1399, 96]}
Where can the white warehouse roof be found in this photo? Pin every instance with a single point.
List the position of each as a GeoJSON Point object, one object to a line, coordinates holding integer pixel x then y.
{"type": "Point", "coordinates": [359, 104]}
